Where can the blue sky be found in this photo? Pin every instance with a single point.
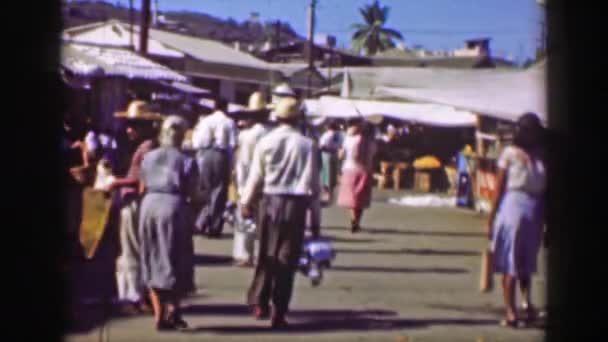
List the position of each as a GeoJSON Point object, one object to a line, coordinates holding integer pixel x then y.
{"type": "Point", "coordinates": [513, 25]}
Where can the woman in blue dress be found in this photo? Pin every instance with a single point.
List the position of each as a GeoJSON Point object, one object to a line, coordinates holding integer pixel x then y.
{"type": "Point", "coordinates": [515, 225]}
{"type": "Point", "coordinates": [168, 177]}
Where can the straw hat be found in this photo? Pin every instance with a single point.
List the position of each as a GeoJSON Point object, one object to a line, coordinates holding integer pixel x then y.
{"type": "Point", "coordinates": [256, 102]}
{"type": "Point", "coordinates": [287, 108]}
{"type": "Point", "coordinates": [139, 110]}
{"type": "Point", "coordinates": [281, 91]}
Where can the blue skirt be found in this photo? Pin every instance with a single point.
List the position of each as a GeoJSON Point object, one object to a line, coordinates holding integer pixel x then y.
{"type": "Point", "coordinates": [517, 234]}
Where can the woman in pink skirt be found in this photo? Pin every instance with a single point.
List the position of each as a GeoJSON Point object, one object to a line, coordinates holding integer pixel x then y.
{"type": "Point", "coordinates": [357, 167]}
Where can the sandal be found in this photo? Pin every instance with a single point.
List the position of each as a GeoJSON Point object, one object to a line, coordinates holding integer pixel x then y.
{"type": "Point", "coordinates": [354, 227]}
{"type": "Point", "coordinates": [531, 313]}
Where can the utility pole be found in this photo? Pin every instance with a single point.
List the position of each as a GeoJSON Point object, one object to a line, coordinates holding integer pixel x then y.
{"type": "Point", "coordinates": [311, 33]}
{"type": "Point", "coordinates": [131, 20]}
{"type": "Point", "coordinates": [144, 27]}
{"type": "Point", "coordinates": [277, 34]}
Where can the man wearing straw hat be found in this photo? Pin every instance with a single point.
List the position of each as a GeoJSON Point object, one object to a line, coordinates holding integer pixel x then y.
{"type": "Point", "coordinates": [141, 131]}
{"type": "Point", "coordinates": [252, 131]}
{"type": "Point", "coordinates": [214, 139]}
{"type": "Point", "coordinates": [284, 171]}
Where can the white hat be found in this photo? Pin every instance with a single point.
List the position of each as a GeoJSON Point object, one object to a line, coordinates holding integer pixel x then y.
{"type": "Point", "coordinates": [286, 108]}
{"type": "Point", "coordinates": [283, 89]}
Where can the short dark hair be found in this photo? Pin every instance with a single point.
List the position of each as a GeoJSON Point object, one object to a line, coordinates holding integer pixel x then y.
{"type": "Point", "coordinates": [529, 132]}
{"type": "Point", "coordinates": [221, 104]}
{"type": "Point", "coordinates": [333, 125]}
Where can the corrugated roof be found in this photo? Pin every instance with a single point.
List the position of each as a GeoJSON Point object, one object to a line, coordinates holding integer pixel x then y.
{"type": "Point", "coordinates": [114, 33]}
{"type": "Point", "coordinates": [208, 50]}
{"type": "Point", "coordinates": [88, 60]}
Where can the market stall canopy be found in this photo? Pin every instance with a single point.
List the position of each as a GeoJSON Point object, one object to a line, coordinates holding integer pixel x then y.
{"type": "Point", "coordinates": [427, 114]}
{"type": "Point", "coordinates": [93, 61]}
{"type": "Point", "coordinates": [505, 96]}
{"type": "Point", "coordinates": [362, 81]}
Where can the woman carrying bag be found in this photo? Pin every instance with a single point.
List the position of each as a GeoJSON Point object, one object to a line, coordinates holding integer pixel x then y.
{"type": "Point", "coordinates": [516, 220]}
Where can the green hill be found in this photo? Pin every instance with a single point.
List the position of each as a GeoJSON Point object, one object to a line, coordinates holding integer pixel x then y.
{"type": "Point", "coordinates": [201, 25]}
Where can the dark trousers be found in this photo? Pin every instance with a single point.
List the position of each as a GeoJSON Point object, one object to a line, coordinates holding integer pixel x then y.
{"type": "Point", "coordinates": [214, 166]}
{"type": "Point", "coordinates": [281, 226]}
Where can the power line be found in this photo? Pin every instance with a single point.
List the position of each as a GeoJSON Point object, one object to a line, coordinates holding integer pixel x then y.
{"type": "Point", "coordinates": [437, 32]}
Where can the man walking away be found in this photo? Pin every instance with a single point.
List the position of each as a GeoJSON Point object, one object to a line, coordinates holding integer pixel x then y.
{"type": "Point", "coordinates": [214, 139]}
{"type": "Point", "coordinates": [284, 171]}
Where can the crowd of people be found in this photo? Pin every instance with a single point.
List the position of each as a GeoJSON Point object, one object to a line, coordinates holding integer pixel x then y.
{"type": "Point", "coordinates": [171, 182]}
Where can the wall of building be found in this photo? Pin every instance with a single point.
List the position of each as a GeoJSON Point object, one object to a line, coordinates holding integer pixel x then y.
{"type": "Point", "coordinates": [228, 90]}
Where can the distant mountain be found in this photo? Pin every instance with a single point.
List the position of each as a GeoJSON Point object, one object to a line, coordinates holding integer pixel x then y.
{"type": "Point", "coordinates": [196, 24]}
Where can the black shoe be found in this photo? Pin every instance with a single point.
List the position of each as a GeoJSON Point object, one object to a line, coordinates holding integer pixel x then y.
{"type": "Point", "coordinates": [178, 322]}
{"type": "Point", "coordinates": [165, 326]}
{"type": "Point", "coordinates": [279, 323]}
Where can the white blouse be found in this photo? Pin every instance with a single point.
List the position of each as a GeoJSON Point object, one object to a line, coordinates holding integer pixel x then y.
{"type": "Point", "coordinates": [352, 159]}
{"type": "Point", "coordinates": [523, 173]}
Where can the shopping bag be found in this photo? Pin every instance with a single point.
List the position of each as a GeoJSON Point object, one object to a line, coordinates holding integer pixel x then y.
{"type": "Point", "coordinates": [486, 281]}
{"type": "Point", "coordinates": [95, 212]}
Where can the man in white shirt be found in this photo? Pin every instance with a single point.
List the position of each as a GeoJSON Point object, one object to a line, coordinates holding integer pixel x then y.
{"type": "Point", "coordinates": [252, 131]}
{"type": "Point", "coordinates": [285, 173]}
{"type": "Point", "coordinates": [214, 139]}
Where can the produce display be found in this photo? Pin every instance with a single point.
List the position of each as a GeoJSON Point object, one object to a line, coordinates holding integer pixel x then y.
{"type": "Point", "coordinates": [427, 162]}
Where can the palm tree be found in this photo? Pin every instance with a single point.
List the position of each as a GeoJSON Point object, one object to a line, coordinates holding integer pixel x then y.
{"type": "Point", "coordinates": [372, 36]}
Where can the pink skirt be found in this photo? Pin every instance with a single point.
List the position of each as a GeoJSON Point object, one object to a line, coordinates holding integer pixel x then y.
{"type": "Point", "coordinates": [355, 189]}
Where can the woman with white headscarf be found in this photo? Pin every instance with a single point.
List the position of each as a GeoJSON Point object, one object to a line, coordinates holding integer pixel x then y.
{"type": "Point", "coordinates": [168, 176]}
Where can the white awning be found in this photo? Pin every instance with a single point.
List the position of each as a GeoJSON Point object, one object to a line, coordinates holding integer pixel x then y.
{"type": "Point", "coordinates": [504, 97]}
{"type": "Point", "coordinates": [427, 114]}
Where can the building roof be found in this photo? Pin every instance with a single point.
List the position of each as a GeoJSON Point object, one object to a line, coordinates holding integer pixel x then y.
{"type": "Point", "coordinates": [117, 34]}
{"type": "Point", "coordinates": [94, 61]}
{"type": "Point", "coordinates": [208, 50]}
{"type": "Point", "coordinates": [216, 59]}
{"type": "Point", "coordinates": [442, 62]}
{"type": "Point", "coordinates": [478, 40]}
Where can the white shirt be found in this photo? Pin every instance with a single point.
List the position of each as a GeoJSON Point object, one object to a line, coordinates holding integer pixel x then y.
{"type": "Point", "coordinates": [284, 163]}
{"type": "Point", "coordinates": [331, 140]}
{"type": "Point", "coordinates": [352, 159]}
{"type": "Point", "coordinates": [523, 173]}
{"type": "Point", "coordinates": [95, 141]}
{"type": "Point", "coordinates": [248, 139]}
{"type": "Point", "coordinates": [216, 130]}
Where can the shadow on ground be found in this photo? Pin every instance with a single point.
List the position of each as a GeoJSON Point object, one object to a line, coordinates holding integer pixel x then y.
{"type": "Point", "coordinates": [498, 312]}
{"type": "Point", "coordinates": [399, 269]}
{"type": "Point", "coordinates": [404, 251]}
{"type": "Point", "coordinates": [319, 321]}
{"type": "Point", "coordinates": [372, 230]}
{"type": "Point", "coordinates": [347, 240]}
{"type": "Point", "coordinates": [212, 260]}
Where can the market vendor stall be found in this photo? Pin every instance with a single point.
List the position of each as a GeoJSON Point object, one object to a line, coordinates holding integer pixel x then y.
{"type": "Point", "coordinates": [421, 129]}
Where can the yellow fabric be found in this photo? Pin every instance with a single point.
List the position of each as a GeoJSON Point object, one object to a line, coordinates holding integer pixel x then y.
{"type": "Point", "coordinates": [95, 211]}
{"type": "Point", "coordinates": [427, 162]}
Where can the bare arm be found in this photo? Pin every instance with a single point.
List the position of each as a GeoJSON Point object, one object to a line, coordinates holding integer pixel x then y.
{"type": "Point", "coordinates": [500, 190]}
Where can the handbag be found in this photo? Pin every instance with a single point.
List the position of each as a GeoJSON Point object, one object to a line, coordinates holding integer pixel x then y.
{"type": "Point", "coordinates": [486, 281]}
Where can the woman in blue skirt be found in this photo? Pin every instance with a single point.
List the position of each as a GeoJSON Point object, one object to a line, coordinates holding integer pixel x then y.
{"type": "Point", "coordinates": [515, 225]}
